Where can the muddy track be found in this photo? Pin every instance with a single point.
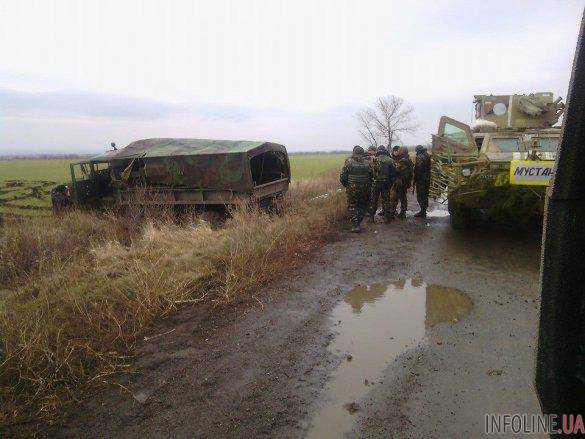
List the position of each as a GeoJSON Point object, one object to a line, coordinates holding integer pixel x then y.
{"type": "Point", "coordinates": [266, 368]}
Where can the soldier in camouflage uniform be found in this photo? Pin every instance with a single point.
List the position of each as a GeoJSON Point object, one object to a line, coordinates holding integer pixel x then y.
{"type": "Point", "coordinates": [356, 177]}
{"type": "Point", "coordinates": [371, 154]}
{"type": "Point", "coordinates": [422, 179]}
{"type": "Point", "coordinates": [402, 181]}
{"type": "Point", "coordinates": [384, 172]}
{"type": "Point", "coordinates": [369, 157]}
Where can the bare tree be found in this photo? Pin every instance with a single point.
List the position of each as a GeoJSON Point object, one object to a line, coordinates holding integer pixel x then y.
{"type": "Point", "coordinates": [367, 127]}
{"type": "Point", "coordinates": [388, 119]}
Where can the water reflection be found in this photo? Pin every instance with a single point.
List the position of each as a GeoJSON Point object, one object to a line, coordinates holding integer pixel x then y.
{"type": "Point", "coordinates": [374, 325]}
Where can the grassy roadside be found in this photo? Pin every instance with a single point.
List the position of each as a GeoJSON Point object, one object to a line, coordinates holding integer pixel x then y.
{"type": "Point", "coordinates": [81, 290]}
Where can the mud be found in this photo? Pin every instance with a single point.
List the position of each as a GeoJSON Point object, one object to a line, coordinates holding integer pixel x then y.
{"type": "Point", "coordinates": [373, 325]}
{"type": "Point", "coordinates": [388, 359]}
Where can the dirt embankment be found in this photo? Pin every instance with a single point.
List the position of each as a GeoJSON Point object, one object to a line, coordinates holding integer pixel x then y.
{"type": "Point", "coordinates": [273, 367]}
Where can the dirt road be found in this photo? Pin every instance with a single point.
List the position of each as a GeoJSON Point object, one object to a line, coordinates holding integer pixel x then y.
{"type": "Point", "coordinates": [406, 330]}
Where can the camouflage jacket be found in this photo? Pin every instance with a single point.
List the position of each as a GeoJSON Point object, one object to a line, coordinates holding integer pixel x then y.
{"type": "Point", "coordinates": [404, 171]}
{"type": "Point", "coordinates": [369, 159]}
{"type": "Point", "coordinates": [384, 169]}
{"type": "Point", "coordinates": [356, 172]}
{"type": "Point", "coordinates": [422, 168]}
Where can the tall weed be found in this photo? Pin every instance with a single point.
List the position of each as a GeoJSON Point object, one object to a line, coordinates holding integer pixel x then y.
{"type": "Point", "coordinates": [81, 289]}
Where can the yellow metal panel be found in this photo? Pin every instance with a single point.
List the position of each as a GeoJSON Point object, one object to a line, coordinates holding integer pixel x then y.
{"type": "Point", "coordinates": [531, 172]}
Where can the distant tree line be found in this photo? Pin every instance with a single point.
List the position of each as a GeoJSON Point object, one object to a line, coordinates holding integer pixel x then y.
{"type": "Point", "coordinates": [43, 156]}
{"type": "Point", "coordinates": [335, 151]}
{"type": "Point", "coordinates": [345, 151]}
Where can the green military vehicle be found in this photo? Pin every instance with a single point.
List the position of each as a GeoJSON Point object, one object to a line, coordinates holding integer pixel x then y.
{"type": "Point", "coordinates": [498, 168]}
{"type": "Point", "coordinates": [178, 172]}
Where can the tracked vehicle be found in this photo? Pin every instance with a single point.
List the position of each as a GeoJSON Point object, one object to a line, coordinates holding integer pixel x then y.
{"type": "Point", "coordinates": [178, 172]}
{"type": "Point", "coordinates": [498, 168]}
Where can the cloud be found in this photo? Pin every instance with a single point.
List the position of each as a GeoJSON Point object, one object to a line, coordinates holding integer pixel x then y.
{"type": "Point", "coordinates": [85, 104]}
{"type": "Point", "coordinates": [82, 104]}
{"type": "Point", "coordinates": [26, 129]}
{"type": "Point", "coordinates": [83, 73]}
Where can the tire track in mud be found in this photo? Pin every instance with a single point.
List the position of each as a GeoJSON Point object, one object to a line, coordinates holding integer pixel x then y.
{"type": "Point", "coordinates": [251, 370]}
{"type": "Point", "coordinates": [246, 370]}
{"type": "Point", "coordinates": [481, 364]}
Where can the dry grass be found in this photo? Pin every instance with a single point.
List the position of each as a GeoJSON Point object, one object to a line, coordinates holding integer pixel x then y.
{"type": "Point", "coordinates": [83, 288]}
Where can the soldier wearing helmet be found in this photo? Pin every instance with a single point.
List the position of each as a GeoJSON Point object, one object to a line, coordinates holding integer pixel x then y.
{"type": "Point", "coordinates": [396, 152]}
{"type": "Point", "coordinates": [356, 177]}
{"type": "Point", "coordinates": [384, 172]}
{"type": "Point", "coordinates": [372, 151]}
{"type": "Point", "coordinates": [422, 179]}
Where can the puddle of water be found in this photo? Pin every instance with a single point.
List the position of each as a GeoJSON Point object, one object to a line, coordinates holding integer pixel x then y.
{"type": "Point", "coordinates": [374, 325]}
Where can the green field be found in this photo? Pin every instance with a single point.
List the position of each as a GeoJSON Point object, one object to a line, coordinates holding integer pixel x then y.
{"type": "Point", "coordinates": [36, 169]}
{"type": "Point", "coordinates": [311, 165]}
{"type": "Point", "coordinates": [25, 184]}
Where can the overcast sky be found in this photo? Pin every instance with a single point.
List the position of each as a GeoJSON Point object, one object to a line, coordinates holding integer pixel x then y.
{"type": "Point", "coordinates": [76, 75]}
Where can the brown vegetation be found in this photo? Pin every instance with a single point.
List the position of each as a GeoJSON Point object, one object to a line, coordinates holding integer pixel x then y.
{"type": "Point", "coordinates": [78, 291]}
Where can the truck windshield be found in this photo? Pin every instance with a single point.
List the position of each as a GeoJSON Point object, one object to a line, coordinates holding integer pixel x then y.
{"type": "Point", "coordinates": [456, 134]}
{"type": "Point", "coordinates": [506, 144]}
{"type": "Point", "coordinates": [81, 170]}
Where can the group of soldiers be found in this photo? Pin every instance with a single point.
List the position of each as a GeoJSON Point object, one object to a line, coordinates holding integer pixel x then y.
{"type": "Point", "coordinates": [379, 173]}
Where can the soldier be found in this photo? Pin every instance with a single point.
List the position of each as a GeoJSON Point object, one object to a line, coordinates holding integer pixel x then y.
{"type": "Point", "coordinates": [350, 157]}
{"type": "Point", "coordinates": [402, 181]}
{"type": "Point", "coordinates": [422, 179]}
{"type": "Point", "coordinates": [369, 158]}
{"type": "Point", "coordinates": [384, 172]}
{"type": "Point", "coordinates": [395, 152]}
{"type": "Point", "coordinates": [356, 177]}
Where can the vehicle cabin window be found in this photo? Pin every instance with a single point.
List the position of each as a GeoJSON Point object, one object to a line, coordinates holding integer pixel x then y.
{"type": "Point", "coordinates": [456, 134]}
{"type": "Point", "coordinates": [101, 166]}
{"type": "Point", "coordinates": [548, 144]}
{"type": "Point", "coordinates": [505, 145]}
{"type": "Point", "coordinates": [101, 179]}
{"type": "Point", "coordinates": [267, 167]}
{"type": "Point", "coordinates": [82, 171]}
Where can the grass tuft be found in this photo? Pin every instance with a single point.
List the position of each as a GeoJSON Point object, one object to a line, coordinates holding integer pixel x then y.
{"type": "Point", "coordinates": [80, 290]}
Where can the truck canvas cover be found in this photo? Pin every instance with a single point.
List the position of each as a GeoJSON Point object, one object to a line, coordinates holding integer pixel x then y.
{"type": "Point", "coordinates": [192, 163]}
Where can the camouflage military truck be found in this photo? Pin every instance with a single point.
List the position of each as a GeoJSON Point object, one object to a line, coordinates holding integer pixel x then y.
{"type": "Point", "coordinates": [499, 167]}
{"type": "Point", "coordinates": [188, 172]}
